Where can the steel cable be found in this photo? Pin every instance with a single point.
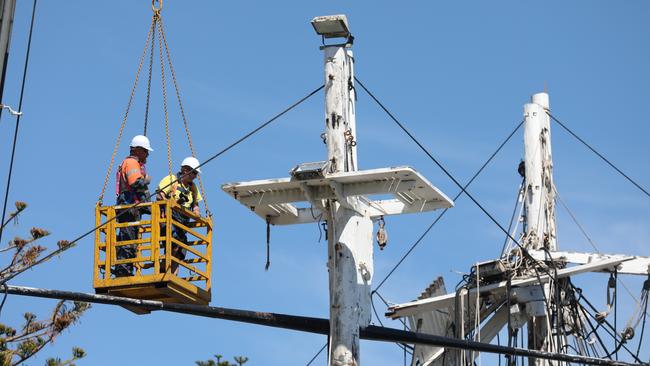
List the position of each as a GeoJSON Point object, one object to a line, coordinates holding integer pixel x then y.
{"type": "Point", "coordinates": [316, 355]}
{"type": "Point", "coordinates": [128, 108]}
{"type": "Point", "coordinates": [444, 170]}
{"type": "Point", "coordinates": [599, 155]}
{"type": "Point", "coordinates": [453, 179]}
{"type": "Point", "coordinates": [435, 221]}
{"type": "Point", "coordinates": [20, 109]}
{"type": "Point", "coordinates": [538, 265]}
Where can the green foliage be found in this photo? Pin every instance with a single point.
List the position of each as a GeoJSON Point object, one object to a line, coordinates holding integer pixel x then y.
{"type": "Point", "coordinates": [77, 353]}
{"type": "Point", "coordinates": [239, 361]}
{"type": "Point", "coordinates": [17, 344]}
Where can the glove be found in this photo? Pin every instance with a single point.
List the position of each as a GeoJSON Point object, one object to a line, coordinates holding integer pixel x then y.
{"type": "Point", "coordinates": [140, 185]}
{"type": "Point", "coordinates": [182, 198]}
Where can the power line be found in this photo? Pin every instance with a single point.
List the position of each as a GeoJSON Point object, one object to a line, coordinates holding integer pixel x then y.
{"type": "Point", "coordinates": [599, 155]}
{"type": "Point", "coordinates": [445, 210]}
{"type": "Point", "coordinates": [20, 109]}
{"type": "Point", "coordinates": [221, 152]}
{"type": "Point", "coordinates": [308, 324]}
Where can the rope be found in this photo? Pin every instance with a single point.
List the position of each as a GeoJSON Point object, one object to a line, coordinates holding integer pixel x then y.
{"type": "Point", "coordinates": [180, 105]}
{"type": "Point", "coordinates": [268, 244]}
{"type": "Point", "coordinates": [435, 221]}
{"type": "Point", "coordinates": [128, 107]}
{"type": "Point", "coordinates": [161, 189]}
{"type": "Point", "coordinates": [599, 155]}
{"type": "Point", "coordinates": [20, 108]}
{"type": "Point", "coordinates": [164, 91]}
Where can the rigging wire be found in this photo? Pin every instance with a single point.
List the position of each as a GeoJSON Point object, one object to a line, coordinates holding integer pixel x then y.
{"type": "Point", "coordinates": [160, 189]}
{"type": "Point", "coordinates": [435, 221]}
{"type": "Point", "coordinates": [157, 21]}
{"type": "Point", "coordinates": [317, 354]}
{"type": "Point", "coordinates": [599, 154]}
{"type": "Point", "coordinates": [588, 237]}
{"type": "Point", "coordinates": [181, 108]}
{"type": "Point", "coordinates": [150, 38]}
{"type": "Point", "coordinates": [512, 218]}
{"type": "Point", "coordinates": [146, 111]}
{"type": "Point", "coordinates": [20, 109]}
{"type": "Point", "coordinates": [524, 251]}
{"type": "Point", "coordinates": [609, 328]}
{"type": "Point", "coordinates": [645, 313]}
{"type": "Point", "coordinates": [400, 345]}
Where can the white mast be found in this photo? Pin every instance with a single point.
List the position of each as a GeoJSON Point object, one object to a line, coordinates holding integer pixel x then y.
{"type": "Point", "coordinates": [539, 205]}
{"type": "Point", "coordinates": [349, 232]}
{"type": "Point", "coordinates": [530, 285]}
{"type": "Point", "coordinates": [336, 191]}
{"type": "Point", "coordinates": [539, 190]}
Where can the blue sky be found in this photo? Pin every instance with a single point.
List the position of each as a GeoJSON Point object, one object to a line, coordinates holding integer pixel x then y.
{"type": "Point", "coordinates": [456, 73]}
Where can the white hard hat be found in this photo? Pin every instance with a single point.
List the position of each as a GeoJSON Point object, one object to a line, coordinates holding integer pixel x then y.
{"type": "Point", "coordinates": [141, 141]}
{"type": "Point", "coordinates": [192, 162]}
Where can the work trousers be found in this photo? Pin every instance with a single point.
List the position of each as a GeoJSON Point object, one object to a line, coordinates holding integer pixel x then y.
{"type": "Point", "coordinates": [179, 234]}
{"type": "Point", "coordinates": [127, 233]}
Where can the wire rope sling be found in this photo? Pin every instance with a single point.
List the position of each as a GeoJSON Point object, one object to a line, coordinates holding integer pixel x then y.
{"type": "Point", "coordinates": [167, 255]}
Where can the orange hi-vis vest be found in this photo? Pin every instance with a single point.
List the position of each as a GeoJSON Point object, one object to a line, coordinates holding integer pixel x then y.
{"type": "Point", "coordinates": [128, 173]}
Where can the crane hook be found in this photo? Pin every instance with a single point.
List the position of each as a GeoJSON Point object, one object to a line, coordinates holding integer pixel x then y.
{"type": "Point", "coordinates": [153, 6]}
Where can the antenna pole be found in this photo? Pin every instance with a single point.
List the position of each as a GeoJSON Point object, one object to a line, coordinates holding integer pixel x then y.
{"type": "Point", "coordinates": [540, 194]}
{"type": "Point", "coordinates": [539, 208]}
{"type": "Point", "coordinates": [350, 242]}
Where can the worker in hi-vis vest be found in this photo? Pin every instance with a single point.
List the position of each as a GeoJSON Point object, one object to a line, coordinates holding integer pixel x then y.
{"type": "Point", "coordinates": [182, 189]}
{"type": "Point", "coordinates": [132, 186]}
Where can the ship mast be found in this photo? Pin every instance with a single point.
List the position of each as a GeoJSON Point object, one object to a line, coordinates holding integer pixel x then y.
{"type": "Point", "coordinates": [539, 208]}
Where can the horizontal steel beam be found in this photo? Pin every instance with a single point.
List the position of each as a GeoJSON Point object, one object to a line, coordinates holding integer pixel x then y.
{"type": "Point", "coordinates": [307, 324]}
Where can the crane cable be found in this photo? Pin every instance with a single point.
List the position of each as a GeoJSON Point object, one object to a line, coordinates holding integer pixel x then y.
{"type": "Point", "coordinates": [164, 56]}
{"type": "Point", "coordinates": [156, 15]}
{"type": "Point", "coordinates": [128, 108]}
{"type": "Point", "coordinates": [182, 110]}
{"type": "Point", "coordinates": [146, 111]}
